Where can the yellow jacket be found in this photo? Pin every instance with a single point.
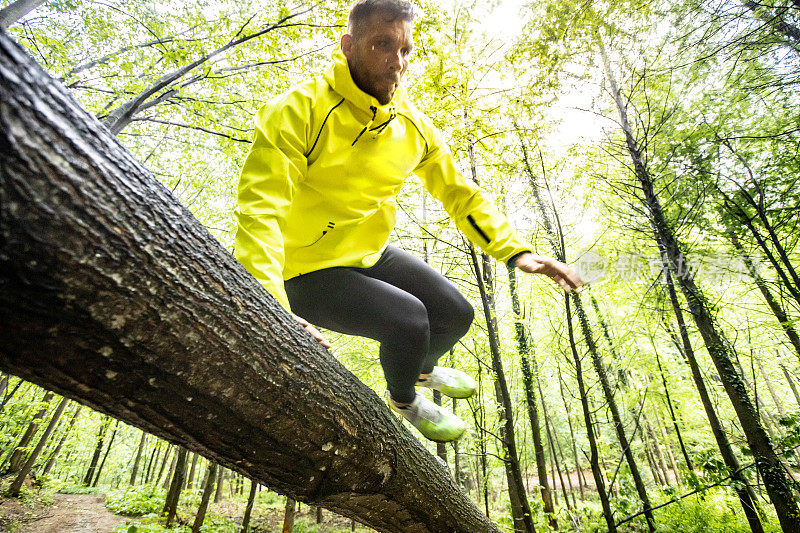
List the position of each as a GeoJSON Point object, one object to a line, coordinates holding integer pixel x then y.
{"type": "Point", "coordinates": [318, 187]}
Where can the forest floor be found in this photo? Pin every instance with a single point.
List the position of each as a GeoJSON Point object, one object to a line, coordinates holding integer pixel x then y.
{"type": "Point", "coordinates": [69, 513]}
{"type": "Point", "coordinates": [87, 513]}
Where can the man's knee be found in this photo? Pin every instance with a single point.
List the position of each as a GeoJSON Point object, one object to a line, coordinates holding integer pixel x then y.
{"type": "Point", "coordinates": [410, 325]}
{"type": "Point", "coordinates": [462, 316]}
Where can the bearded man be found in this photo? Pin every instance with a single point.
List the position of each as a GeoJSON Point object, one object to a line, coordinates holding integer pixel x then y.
{"type": "Point", "coordinates": [317, 205]}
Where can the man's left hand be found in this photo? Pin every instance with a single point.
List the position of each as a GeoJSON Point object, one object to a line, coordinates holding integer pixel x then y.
{"type": "Point", "coordinates": [559, 272]}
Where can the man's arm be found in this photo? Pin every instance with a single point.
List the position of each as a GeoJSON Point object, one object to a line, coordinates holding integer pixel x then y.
{"type": "Point", "coordinates": [273, 168]}
{"type": "Point", "coordinates": [478, 219]}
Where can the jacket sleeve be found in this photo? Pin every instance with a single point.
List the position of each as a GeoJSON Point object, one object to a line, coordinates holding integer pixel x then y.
{"type": "Point", "coordinates": [273, 168]}
{"type": "Point", "coordinates": [466, 203]}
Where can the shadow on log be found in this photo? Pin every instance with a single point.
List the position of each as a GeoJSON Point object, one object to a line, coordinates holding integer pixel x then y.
{"type": "Point", "coordinates": [113, 294]}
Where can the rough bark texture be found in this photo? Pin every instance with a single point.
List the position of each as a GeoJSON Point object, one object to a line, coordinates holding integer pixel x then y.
{"type": "Point", "coordinates": [16, 10]}
{"type": "Point", "coordinates": [154, 323]}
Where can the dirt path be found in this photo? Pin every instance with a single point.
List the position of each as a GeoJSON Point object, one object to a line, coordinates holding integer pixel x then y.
{"type": "Point", "coordinates": [71, 513]}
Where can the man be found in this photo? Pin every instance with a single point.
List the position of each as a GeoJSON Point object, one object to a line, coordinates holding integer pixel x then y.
{"type": "Point", "coordinates": [316, 206]}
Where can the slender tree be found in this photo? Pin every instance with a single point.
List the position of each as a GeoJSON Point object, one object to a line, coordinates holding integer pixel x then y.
{"type": "Point", "coordinates": [16, 485]}
{"type": "Point", "coordinates": [208, 488]}
{"type": "Point", "coordinates": [767, 462]}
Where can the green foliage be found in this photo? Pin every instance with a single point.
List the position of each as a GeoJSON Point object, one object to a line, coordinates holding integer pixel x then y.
{"type": "Point", "coordinates": [717, 510]}
{"type": "Point", "coordinates": [136, 501]}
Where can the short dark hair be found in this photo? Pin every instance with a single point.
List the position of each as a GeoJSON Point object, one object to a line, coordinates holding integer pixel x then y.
{"type": "Point", "coordinates": [362, 10]}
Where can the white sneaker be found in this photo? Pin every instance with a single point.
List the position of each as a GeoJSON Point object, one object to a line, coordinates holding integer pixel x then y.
{"type": "Point", "coordinates": [433, 421]}
{"type": "Point", "coordinates": [450, 382]}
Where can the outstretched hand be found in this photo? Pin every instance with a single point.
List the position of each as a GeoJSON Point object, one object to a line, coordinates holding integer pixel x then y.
{"type": "Point", "coordinates": [559, 272]}
{"type": "Point", "coordinates": [313, 331]}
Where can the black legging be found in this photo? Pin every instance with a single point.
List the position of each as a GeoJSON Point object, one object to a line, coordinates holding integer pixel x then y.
{"type": "Point", "coordinates": [411, 309]}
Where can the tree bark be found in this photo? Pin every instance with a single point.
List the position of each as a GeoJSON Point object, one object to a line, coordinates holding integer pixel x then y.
{"type": "Point", "coordinates": [156, 324]}
{"type": "Point", "coordinates": [594, 456]}
{"type": "Point", "coordinates": [16, 10]}
{"type": "Point", "coordinates": [190, 476]}
{"type": "Point", "coordinates": [288, 515]}
{"type": "Point", "coordinates": [220, 478]}
{"type": "Point", "coordinates": [520, 509]}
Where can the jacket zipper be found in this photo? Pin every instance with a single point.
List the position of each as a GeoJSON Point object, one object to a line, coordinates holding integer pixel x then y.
{"type": "Point", "coordinates": [478, 229]}
{"type": "Point", "coordinates": [329, 228]}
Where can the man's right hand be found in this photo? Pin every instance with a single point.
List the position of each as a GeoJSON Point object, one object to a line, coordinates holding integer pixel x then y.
{"type": "Point", "coordinates": [313, 331]}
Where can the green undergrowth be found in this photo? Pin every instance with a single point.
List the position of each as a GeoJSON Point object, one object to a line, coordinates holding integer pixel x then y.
{"type": "Point", "coordinates": [715, 511]}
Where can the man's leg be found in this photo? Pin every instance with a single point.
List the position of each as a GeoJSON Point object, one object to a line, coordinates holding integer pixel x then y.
{"type": "Point", "coordinates": [449, 313]}
{"type": "Point", "coordinates": [348, 301]}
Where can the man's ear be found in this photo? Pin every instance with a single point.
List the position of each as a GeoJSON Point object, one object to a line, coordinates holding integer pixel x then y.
{"type": "Point", "coordinates": [346, 43]}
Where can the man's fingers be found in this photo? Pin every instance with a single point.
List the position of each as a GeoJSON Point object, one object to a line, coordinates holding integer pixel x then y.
{"type": "Point", "coordinates": [312, 331]}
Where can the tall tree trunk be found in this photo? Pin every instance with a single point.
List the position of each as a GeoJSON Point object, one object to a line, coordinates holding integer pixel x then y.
{"type": "Point", "coordinates": [552, 438]}
{"type": "Point", "coordinates": [251, 498]}
{"type": "Point", "coordinates": [16, 10]}
{"type": "Point", "coordinates": [772, 302]}
{"type": "Point", "coordinates": [16, 485]}
{"type": "Point", "coordinates": [556, 241]}
{"type": "Point", "coordinates": [16, 458]}
{"type": "Point", "coordinates": [168, 478]}
{"type": "Point", "coordinates": [54, 454]}
{"type": "Point", "coordinates": [174, 493]}
{"type": "Point", "coordinates": [792, 385]}
{"type": "Point", "coordinates": [594, 456]}
{"type": "Point", "coordinates": [674, 418]}
{"type": "Point", "coordinates": [220, 478]}
{"type": "Point", "coordinates": [208, 488]}
{"type": "Point", "coordinates": [524, 347]}
{"type": "Point", "coordinates": [575, 458]}
{"type": "Point", "coordinates": [105, 456]}
{"type": "Point", "coordinates": [190, 477]}
{"type": "Point", "coordinates": [520, 509]}
{"type": "Point", "coordinates": [177, 347]}
{"type": "Point", "coordinates": [152, 462]}
{"type": "Point", "coordinates": [164, 458]}
{"type": "Point", "coordinates": [769, 466]}
{"type": "Point", "coordinates": [11, 394]}
{"type": "Point", "coordinates": [139, 450]}
{"type": "Point", "coordinates": [288, 515]}
{"type": "Point", "coordinates": [98, 449]}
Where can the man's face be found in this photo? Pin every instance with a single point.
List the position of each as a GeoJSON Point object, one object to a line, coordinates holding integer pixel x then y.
{"type": "Point", "coordinates": [378, 56]}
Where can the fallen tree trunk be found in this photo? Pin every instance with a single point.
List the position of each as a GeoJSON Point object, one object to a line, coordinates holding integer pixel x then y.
{"type": "Point", "coordinates": [113, 294]}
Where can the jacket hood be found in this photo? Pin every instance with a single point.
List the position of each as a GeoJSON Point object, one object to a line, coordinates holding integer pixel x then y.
{"type": "Point", "coordinates": [339, 78]}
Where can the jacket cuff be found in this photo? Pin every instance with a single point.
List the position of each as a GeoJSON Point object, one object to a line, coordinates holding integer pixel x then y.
{"type": "Point", "coordinates": [512, 261]}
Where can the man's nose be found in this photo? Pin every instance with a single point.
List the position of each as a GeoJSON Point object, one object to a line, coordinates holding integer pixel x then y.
{"type": "Point", "coordinates": [396, 61]}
